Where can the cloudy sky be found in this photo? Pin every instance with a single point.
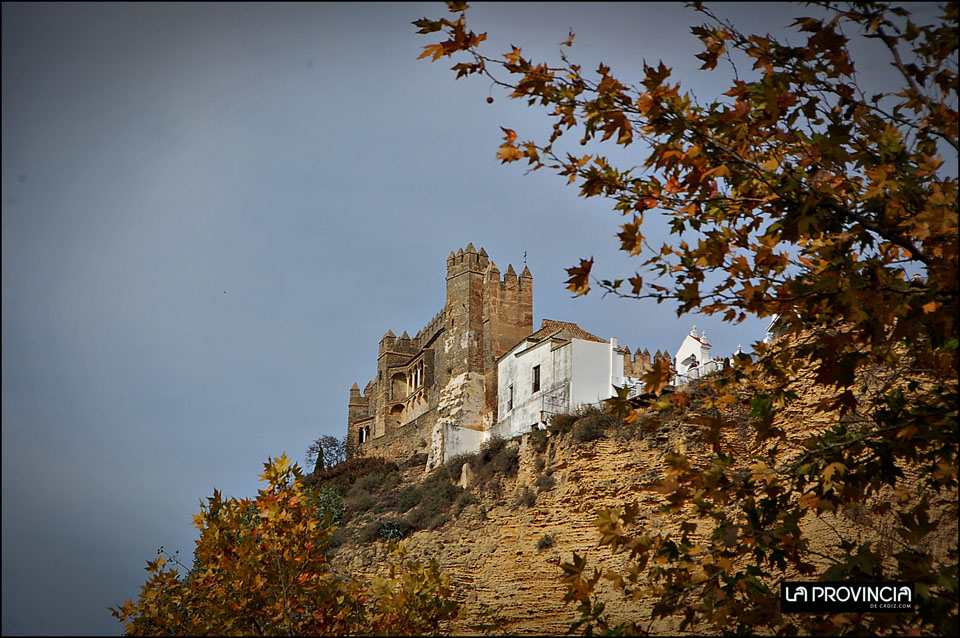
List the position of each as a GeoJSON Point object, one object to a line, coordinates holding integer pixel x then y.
{"type": "Point", "coordinates": [211, 214]}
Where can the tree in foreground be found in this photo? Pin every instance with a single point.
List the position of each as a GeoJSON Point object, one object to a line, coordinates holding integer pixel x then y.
{"type": "Point", "coordinates": [802, 195]}
{"type": "Point", "coordinates": [259, 569]}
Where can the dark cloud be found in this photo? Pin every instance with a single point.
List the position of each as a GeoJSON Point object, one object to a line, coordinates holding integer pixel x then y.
{"type": "Point", "coordinates": [227, 206]}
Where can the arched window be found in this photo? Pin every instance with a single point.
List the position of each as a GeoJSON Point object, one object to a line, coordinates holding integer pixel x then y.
{"type": "Point", "coordinates": [398, 386]}
{"type": "Point", "coordinates": [363, 435]}
{"type": "Point", "coordinates": [416, 376]}
{"type": "Point", "coordinates": [396, 416]}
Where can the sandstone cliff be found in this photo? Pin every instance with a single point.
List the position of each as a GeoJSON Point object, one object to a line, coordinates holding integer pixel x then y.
{"type": "Point", "coordinates": [504, 556]}
{"type": "Point", "coordinates": [496, 552]}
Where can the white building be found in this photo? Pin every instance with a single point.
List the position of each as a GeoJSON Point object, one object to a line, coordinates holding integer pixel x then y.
{"type": "Point", "coordinates": [561, 368]}
{"type": "Point", "coordinates": [693, 358]}
{"type": "Point", "coordinates": [557, 369]}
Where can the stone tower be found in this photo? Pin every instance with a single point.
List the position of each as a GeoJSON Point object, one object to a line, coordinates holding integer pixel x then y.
{"type": "Point", "coordinates": [437, 391]}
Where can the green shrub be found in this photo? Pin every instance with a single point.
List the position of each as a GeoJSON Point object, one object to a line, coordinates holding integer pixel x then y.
{"type": "Point", "coordinates": [329, 502]}
{"type": "Point", "coordinates": [345, 474]}
{"type": "Point", "coordinates": [491, 449]}
{"type": "Point", "coordinates": [393, 530]}
{"type": "Point", "coordinates": [528, 498]}
{"type": "Point", "coordinates": [436, 495]}
{"type": "Point", "coordinates": [465, 499]}
{"type": "Point", "coordinates": [357, 500]}
{"type": "Point", "coordinates": [592, 424]}
{"type": "Point", "coordinates": [496, 458]}
{"type": "Point", "coordinates": [562, 423]}
{"type": "Point", "coordinates": [545, 482]}
{"type": "Point", "coordinates": [506, 462]}
{"type": "Point", "coordinates": [545, 542]}
{"type": "Point", "coordinates": [455, 465]}
{"type": "Point", "coordinates": [423, 518]}
{"type": "Point", "coordinates": [538, 440]}
{"type": "Point", "coordinates": [409, 497]}
{"type": "Point", "coordinates": [541, 463]}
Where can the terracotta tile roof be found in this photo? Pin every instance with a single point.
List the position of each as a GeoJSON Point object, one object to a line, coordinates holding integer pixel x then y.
{"type": "Point", "coordinates": [566, 329]}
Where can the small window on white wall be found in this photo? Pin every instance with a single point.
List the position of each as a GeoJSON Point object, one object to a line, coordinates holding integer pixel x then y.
{"type": "Point", "coordinates": [510, 397]}
{"type": "Point", "coordinates": [536, 378]}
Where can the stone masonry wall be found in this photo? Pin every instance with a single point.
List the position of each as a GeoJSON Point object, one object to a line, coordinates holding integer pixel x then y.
{"type": "Point", "coordinates": [407, 440]}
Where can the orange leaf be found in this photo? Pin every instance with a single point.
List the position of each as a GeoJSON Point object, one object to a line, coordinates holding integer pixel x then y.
{"type": "Point", "coordinates": [509, 153]}
{"type": "Point", "coordinates": [436, 50]}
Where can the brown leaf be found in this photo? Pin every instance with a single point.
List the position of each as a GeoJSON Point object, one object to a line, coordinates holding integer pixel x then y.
{"type": "Point", "coordinates": [579, 281]}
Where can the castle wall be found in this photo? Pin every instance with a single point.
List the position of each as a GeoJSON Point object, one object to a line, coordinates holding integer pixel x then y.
{"type": "Point", "coordinates": [483, 316]}
{"type": "Point", "coordinates": [637, 366]}
{"type": "Point", "coordinates": [508, 319]}
{"type": "Point", "coordinates": [405, 441]}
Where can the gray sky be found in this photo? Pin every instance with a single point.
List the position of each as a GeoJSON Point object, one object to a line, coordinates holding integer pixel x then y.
{"type": "Point", "coordinates": [211, 214]}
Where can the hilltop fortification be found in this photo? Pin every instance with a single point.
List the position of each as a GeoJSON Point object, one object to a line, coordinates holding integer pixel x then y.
{"type": "Point", "coordinates": [436, 392]}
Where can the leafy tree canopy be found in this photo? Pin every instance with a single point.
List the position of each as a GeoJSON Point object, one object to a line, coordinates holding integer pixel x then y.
{"type": "Point", "coordinates": [326, 451]}
{"type": "Point", "coordinates": [259, 569]}
{"type": "Point", "coordinates": [800, 195]}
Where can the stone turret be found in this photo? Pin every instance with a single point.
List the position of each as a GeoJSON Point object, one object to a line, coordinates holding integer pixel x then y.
{"type": "Point", "coordinates": [452, 360]}
{"type": "Point", "coordinates": [387, 341]}
{"type": "Point", "coordinates": [637, 365]}
{"type": "Point", "coordinates": [358, 409]}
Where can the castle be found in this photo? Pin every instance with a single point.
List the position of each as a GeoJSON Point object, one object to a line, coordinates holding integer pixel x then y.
{"type": "Point", "coordinates": [437, 392]}
{"type": "Point", "coordinates": [446, 373]}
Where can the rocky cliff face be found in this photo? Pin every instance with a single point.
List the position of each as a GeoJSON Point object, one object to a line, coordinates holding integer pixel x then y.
{"type": "Point", "coordinates": [504, 556]}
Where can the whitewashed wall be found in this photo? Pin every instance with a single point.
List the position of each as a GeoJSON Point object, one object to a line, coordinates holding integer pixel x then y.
{"type": "Point", "coordinates": [457, 441]}
{"type": "Point", "coordinates": [700, 348]}
{"type": "Point", "coordinates": [591, 373]}
{"type": "Point", "coordinates": [573, 375]}
{"type": "Point", "coordinates": [692, 345]}
{"type": "Point", "coordinates": [555, 366]}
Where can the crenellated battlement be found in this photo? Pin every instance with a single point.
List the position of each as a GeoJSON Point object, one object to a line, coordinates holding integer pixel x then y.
{"type": "Point", "coordinates": [426, 334]}
{"type": "Point", "coordinates": [641, 362]}
{"type": "Point", "coordinates": [408, 345]}
{"type": "Point", "coordinates": [390, 343]}
{"type": "Point", "coordinates": [467, 260]}
{"type": "Point", "coordinates": [509, 279]}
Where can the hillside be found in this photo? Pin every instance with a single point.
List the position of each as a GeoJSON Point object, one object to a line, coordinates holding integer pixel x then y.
{"type": "Point", "coordinates": [533, 503]}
